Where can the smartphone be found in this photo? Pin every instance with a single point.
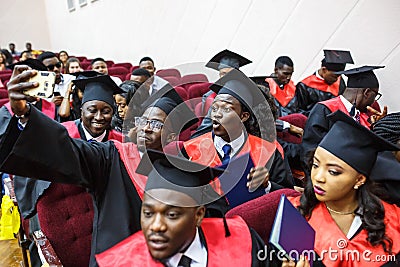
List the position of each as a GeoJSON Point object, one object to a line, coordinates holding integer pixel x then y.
{"type": "Point", "coordinates": [46, 80]}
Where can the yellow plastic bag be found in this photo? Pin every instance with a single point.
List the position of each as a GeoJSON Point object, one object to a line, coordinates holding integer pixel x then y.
{"type": "Point", "coordinates": [10, 220]}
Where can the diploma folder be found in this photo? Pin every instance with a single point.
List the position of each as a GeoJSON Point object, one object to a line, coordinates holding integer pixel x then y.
{"type": "Point", "coordinates": [291, 232]}
{"type": "Point", "coordinates": [234, 181]}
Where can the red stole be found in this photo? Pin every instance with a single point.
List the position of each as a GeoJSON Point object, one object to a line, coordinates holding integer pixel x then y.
{"type": "Point", "coordinates": [234, 250]}
{"type": "Point", "coordinates": [48, 109]}
{"type": "Point", "coordinates": [130, 156]}
{"type": "Point", "coordinates": [201, 150]}
{"type": "Point", "coordinates": [74, 132]}
{"type": "Point", "coordinates": [328, 233]}
{"type": "Point", "coordinates": [314, 82]}
{"type": "Point", "coordinates": [336, 103]}
{"type": "Point", "coordinates": [283, 96]}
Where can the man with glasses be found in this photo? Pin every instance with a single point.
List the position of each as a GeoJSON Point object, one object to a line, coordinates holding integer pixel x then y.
{"type": "Point", "coordinates": [361, 92]}
{"type": "Point", "coordinates": [107, 169]}
{"type": "Point", "coordinates": [52, 63]}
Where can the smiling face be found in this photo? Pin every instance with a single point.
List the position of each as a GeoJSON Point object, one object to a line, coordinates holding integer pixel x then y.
{"type": "Point", "coordinates": [333, 179]}
{"type": "Point", "coordinates": [168, 228]}
{"type": "Point", "coordinates": [227, 117]}
{"type": "Point", "coordinates": [96, 117]}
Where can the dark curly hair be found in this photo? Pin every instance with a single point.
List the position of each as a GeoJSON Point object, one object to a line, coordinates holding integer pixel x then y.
{"type": "Point", "coordinates": [370, 209]}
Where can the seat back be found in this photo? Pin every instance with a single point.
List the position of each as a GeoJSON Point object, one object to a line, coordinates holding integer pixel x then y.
{"type": "Point", "coordinates": [126, 65]}
{"type": "Point", "coordinates": [66, 217]}
{"type": "Point", "coordinates": [259, 213]}
{"type": "Point", "coordinates": [296, 119]}
{"type": "Point", "coordinates": [190, 79]}
{"type": "Point", "coordinates": [168, 72]}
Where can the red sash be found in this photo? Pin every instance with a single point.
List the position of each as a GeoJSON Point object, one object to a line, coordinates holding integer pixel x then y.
{"type": "Point", "coordinates": [234, 250]}
{"type": "Point", "coordinates": [130, 157]}
{"type": "Point", "coordinates": [328, 234]}
{"type": "Point", "coordinates": [314, 82]}
{"type": "Point", "coordinates": [336, 103]}
{"type": "Point", "coordinates": [283, 96]}
{"type": "Point", "coordinates": [48, 109]}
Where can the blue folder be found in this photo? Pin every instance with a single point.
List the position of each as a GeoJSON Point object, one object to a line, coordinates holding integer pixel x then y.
{"type": "Point", "coordinates": [291, 232]}
{"type": "Point", "coordinates": [233, 182]}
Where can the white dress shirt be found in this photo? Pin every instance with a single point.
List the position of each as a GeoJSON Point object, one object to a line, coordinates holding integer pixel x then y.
{"type": "Point", "coordinates": [349, 106]}
{"type": "Point", "coordinates": [157, 84]}
{"type": "Point", "coordinates": [196, 251]}
{"type": "Point", "coordinates": [90, 137]}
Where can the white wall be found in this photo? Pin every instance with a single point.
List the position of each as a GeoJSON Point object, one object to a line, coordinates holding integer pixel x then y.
{"type": "Point", "coordinates": [181, 31]}
{"type": "Point", "coordinates": [24, 21]}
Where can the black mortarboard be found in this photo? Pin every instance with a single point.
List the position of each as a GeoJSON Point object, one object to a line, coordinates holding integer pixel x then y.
{"type": "Point", "coordinates": [362, 77]}
{"type": "Point", "coordinates": [179, 114]}
{"type": "Point", "coordinates": [336, 60]}
{"type": "Point", "coordinates": [141, 72]}
{"type": "Point", "coordinates": [31, 62]}
{"type": "Point", "coordinates": [237, 84]}
{"type": "Point", "coordinates": [260, 79]}
{"type": "Point", "coordinates": [227, 59]}
{"type": "Point", "coordinates": [85, 74]}
{"type": "Point", "coordinates": [179, 174]}
{"type": "Point", "coordinates": [98, 88]}
{"type": "Point", "coordinates": [357, 145]}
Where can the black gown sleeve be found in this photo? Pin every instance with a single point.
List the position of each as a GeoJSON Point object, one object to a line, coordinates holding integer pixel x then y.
{"type": "Point", "coordinates": [316, 128]}
{"type": "Point", "coordinates": [303, 98]}
{"type": "Point", "coordinates": [280, 175]}
{"type": "Point", "coordinates": [44, 150]}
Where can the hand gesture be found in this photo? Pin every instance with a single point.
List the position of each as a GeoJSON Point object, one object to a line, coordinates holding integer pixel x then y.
{"type": "Point", "coordinates": [256, 177]}
{"type": "Point", "coordinates": [376, 114]}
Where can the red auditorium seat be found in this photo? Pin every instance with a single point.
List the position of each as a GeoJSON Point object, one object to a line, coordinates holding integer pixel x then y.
{"type": "Point", "coordinates": [126, 65]}
{"type": "Point", "coordinates": [190, 79]}
{"type": "Point", "coordinates": [81, 58]}
{"type": "Point", "coordinates": [168, 72]}
{"type": "Point", "coordinates": [181, 92]}
{"type": "Point", "coordinates": [174, 81]}
{"type": "Point", "coordinates": [3, 93]}
{"type": "Point", "coordinates": [109, 63]}
{"type": "Point", "coordinates": [133, 68]}
{"type": "Point", "coordinates": [296, 119]}
{"type": "Point", "coordinates": [85, 65]}
{"type": "Point", "coordinates": [3, 101]}
{"type": "Point", "coordinates": [5, 77]}
{"type": "Point", "coordinates": [196, 91]}
{"type": "Point", "coordinates": [120, 72]}
{"type": "Point", "coordinates": [259, 213]}
{"type": "Point", "coordinates": [69, 230]}
{"type": "Point", "coordinates": [128, 76]}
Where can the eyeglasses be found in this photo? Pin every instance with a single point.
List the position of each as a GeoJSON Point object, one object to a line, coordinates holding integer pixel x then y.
{"type": "Point", "coordinates": [154, 125]}
{"type": "Point", "coordinates": [378, 96]}
{"type": "Point", "coordinates": [51, 66]}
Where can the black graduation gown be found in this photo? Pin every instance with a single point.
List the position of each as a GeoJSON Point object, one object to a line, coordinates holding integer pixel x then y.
{"type": "Point", "coordinates": [46, 151]}
{"type": "Point", "coordinates": [290, 108]}
{"type": "Point", "coordinates": [307, 97]}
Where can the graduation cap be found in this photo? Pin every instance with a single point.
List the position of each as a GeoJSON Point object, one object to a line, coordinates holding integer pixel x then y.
{"type": "Point", "coordinates": [98, 88]}
{"type": "Point", "coordinates": [179, 174]}
{"type": "Point", "coordinates": [260, 79]}
{"type": "Point", "coordinates": [358, 146]}
{"type": "Point", "coordinates": [31, 62]}
{"type": "Point", "coordinates": [238, 85]}
{"type": "Point", "coordinates": [168, 100]}
{"type": "Point", "coordinates": [227, 59]}
{"type": "Point", "coordinates": [335, 60]}
{"type": "Point", "coordinates": [85, 74]}
{"type": "Point", "coordinates": [362, 77]}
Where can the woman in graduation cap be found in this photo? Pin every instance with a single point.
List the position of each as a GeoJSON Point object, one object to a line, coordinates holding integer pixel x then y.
{"type": "Point", "coordinates": [47, 152]}
{"type": "Point", "coordinates": [341, 203]}
{"type": "Point", "coordinates": [174, 230]}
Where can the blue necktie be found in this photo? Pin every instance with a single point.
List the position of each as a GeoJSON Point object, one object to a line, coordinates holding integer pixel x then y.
{"type": "Point", "coordinates": [227, 151]}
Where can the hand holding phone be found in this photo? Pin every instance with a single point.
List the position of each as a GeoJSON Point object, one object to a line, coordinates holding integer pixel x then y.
{"type": "Point", "coordinates": [46, 81]}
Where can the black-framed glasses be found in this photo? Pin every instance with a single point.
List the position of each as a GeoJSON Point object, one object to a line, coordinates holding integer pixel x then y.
{"type": "Point", "coordinates": [378, 96]}
{"type": "Point", "coordinates": [51, 66]}
{"type": "Point", "coordinates": [154, 124]}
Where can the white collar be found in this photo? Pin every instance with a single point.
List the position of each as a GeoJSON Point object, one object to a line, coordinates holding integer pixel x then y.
{"type": "Point", "coordinates": [196, 251]}
{"type": "Point", "coordinates": [90, 137]}
{"type": "Point", "coordinates": [348, 105]}
{"type": "Point", "coordinates": [235, 144]}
